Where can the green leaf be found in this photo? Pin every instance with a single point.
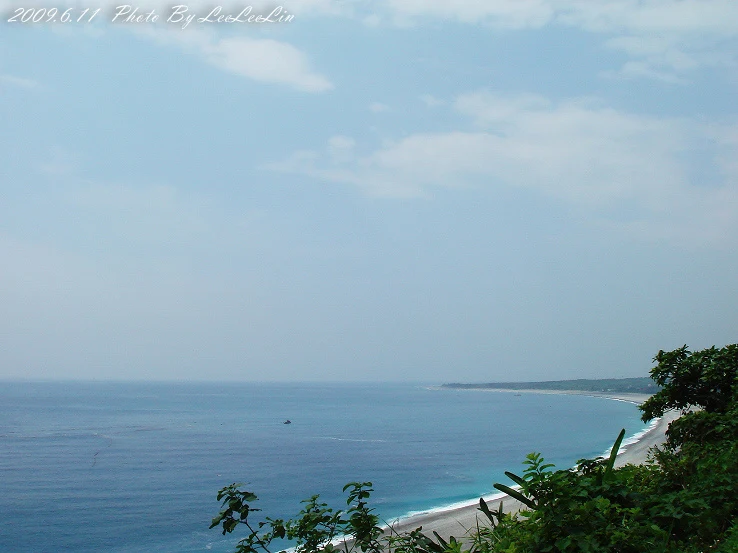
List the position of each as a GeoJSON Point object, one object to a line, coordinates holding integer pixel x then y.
{"type": "Point", "coordinates": [441, 541]}
{"type": "Point", "coordinates": [515, 478]}
{"type": "Point", "coordinates": [614, 453]}
{"type": "Point", "coordinates": [484, 508]}
{"type": "Point", "coordinates": [516, 495]}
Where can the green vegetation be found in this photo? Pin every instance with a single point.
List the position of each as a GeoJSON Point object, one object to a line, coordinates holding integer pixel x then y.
{"type": "Point", "coordinates": [683, 500]}
{"type": "Point", "coordinates": [641, 385]}
{"type": "Point", "coordinates": [707, 379]}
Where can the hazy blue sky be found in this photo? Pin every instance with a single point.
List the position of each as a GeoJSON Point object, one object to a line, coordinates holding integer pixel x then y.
{"type": "Point", "coordinates": [426, 190]}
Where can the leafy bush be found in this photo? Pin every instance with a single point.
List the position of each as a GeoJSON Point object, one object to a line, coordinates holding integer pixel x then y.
{"type": "Point", "coordinates": [729, 543]}
{"type": "Point", "coordinates": [315, 528]}
{"type": "Point", "coordinates": [707, 379]}
{"type": "Point", "coordinates": [592, 507]}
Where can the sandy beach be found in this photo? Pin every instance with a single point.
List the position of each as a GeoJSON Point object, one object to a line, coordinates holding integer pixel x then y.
{"type": "Point", "coordinates": [460, 520]}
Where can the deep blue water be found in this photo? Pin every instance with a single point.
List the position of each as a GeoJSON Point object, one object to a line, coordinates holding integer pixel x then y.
{"type": "Point", "coordinates": [136, 467]}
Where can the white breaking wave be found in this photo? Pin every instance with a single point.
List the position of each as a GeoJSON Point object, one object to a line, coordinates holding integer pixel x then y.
{"type": "Point", "coordinates": [348, 439]}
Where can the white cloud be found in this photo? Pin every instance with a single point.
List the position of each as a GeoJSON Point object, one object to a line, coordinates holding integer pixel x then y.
{"type": "Point", "coordinates": [515, 14]}
{"type": "Point", "coordinates": [267, 61]}
{"type": "Point", "coordinates": [378, 107]}
{"type": "Point", "coordinates": [19, 82]}
{"type": "Point", "coordinates": [431, 101]}
{"type": "Point", "coordinates": [340, 142]}
{"type": "Point", "coordinates": [61, 162]}
{"type": "Point", "coordinates": [664, 37]}
{"type": "Point", "coordinates": [726, 138]}
{"type": "Point", "coordinates": [150, 213]}
{"type": "Point", "coordinates": [263, 60]}
{"type": "Point", "coordinates": [487, 109]}
{"type": "Point", "coordinates": [657, 56]}
{"type": "Point", "coordinates": [651, 16]}
{"type": "Point", "coordinates": [341, 148]}
{"type": "Point", "coordinates": [638, 69]}
{"type": "Point", "coordinates": [645, 16]}
{"type": "Point", "coordinates": [621, 167]}
{"type": "Point", "coordinates": [144, 214]}
{"type": "Point", "coordinates": [372, 20]}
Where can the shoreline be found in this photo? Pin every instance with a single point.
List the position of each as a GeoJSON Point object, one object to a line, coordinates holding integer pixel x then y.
{"type": "Point", "coordinates": [458, 520]}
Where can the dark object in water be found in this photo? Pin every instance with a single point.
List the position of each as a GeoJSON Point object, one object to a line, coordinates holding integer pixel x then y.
{"type": "Point", "coordinates": [288, 421]}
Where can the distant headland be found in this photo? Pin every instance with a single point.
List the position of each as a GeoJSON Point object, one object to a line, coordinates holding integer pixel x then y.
{"type": "Point", "coordinates": [642, 385]}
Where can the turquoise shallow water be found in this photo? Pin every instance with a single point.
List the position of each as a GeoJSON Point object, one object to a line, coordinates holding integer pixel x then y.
{"type": "Point", "coordinates": [136, 467]}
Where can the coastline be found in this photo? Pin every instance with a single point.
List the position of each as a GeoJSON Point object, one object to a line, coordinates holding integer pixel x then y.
{"type": "Point", "coordinates": [458, 521]}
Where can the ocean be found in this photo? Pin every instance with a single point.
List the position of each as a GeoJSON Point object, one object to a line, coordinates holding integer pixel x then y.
{"type": "Point", "coordinates": [135, 467]}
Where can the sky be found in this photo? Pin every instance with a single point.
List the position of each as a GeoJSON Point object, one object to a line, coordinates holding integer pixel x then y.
{"type": "Point", "coordinates": [351, 190]}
